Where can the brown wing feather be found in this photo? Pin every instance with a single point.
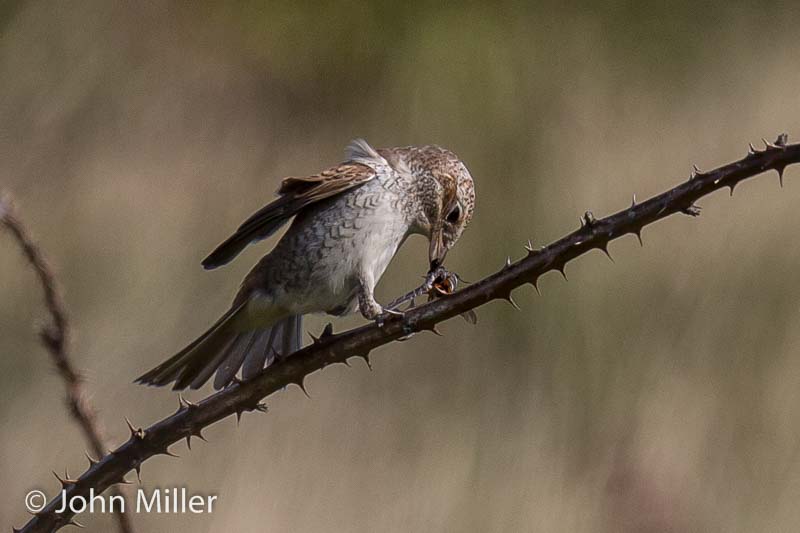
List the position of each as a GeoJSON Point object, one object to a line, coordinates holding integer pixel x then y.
{"type": "Point", "coordinates": [295, 193]}
{"type": "Point", "coordinates": [328, 182]}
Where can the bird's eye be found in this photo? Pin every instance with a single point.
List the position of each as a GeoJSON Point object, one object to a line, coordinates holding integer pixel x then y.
{"type": "Point", "coordinates": [452, 217]}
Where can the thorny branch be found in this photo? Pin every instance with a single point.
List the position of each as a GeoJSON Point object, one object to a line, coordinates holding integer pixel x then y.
{"type": "Point", "coordinates": [190, 419]}
{"type": "Point", "coordinates": [55, 338]}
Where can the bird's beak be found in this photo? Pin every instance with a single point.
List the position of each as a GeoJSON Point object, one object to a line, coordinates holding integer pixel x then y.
{"type": "Point", "coordinates": [437, 251]}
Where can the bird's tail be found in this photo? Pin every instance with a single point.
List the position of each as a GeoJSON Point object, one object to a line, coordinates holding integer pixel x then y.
{"type": "Point", "coordinates": [225, 348]}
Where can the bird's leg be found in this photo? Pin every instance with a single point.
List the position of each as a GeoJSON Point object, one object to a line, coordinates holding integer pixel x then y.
{"type": "Point", "coordinates": [369, 307]}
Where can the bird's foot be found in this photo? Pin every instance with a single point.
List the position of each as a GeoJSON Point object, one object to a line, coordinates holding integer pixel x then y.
{"type": "Point", "coordinates": [408, 327]}
{"type": "Point", "coordinates": [387, 314]}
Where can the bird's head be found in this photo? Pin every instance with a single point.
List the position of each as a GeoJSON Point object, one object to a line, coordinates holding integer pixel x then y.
{"type": "Point", "coordinates": [440, 185]}
{"type": "Point", "coordinates": [447, 198]}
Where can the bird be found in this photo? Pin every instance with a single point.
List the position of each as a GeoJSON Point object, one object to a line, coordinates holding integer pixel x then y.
{"type": "Point", "coordinates": [348, 221]}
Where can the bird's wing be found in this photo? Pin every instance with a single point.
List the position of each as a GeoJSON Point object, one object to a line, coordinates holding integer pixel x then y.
{"type": "Point", "coordinates": [295, 193]}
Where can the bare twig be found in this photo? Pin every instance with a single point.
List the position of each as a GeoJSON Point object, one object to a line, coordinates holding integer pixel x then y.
{"type": "Point", "coordinates": [55, 338]}
{"type": "Point", "coordinates": [190, 419]}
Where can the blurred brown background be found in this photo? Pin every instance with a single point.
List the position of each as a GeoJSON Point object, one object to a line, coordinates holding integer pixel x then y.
{"type": "Point", "coordinates": [656, 393]}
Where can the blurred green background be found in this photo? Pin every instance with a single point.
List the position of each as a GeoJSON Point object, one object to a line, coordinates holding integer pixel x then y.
{"type": "Point", "coordinates": [656, 393]}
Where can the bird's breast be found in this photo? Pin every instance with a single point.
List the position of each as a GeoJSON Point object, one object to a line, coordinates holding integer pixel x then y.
{"type": "Point", "coordinates": [364, 241]}
{"type": "Point", "coordinates": [318, 263]}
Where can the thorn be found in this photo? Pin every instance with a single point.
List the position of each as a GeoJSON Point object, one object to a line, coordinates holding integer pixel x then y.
{"type": "Point", "coordinates": [433, 329]}
{"type": "Point", "coordinates": [751, 150]}
{"type": "Point", "coordinates": [779, 144]}
{"type": "Point", "coordinates": [186, 403]}
{"type": "Point", "coordinates": [238, 416]}
{"type": "Point", "coordinates": [529, 247]}
{"type": "Point", "coordinates": [326, 332]}
{"type": "Point", "coordinates": [535, 283]}
{"type": "Point", "coordinates": [780, 170]}
{"type": "Point", "coordinates": [261, 407]}
{"type": "Point", "coordinates": [169, 453]}
{"type": "Point", "coordinates": [195, 433]}
{"type": "Point", "coordinates": [696, 171]}
{"type": "Point", "coordinates": [633, 200]}
{"type": "Point", "coordinates": [732, 186]}
{"type": "Point", "coordinates": [92, 460]}
{"type": "Point", "coordinates": [136, 433]}
{"type": "Point", "coordinates": [638, 233]}
{"type": "Point", "coordinates": [138, 468]}
{"type": "Point", "coordinates": [65, 481]}
{"type": "Point", "coordinates": [508, 262]}
{"type": "Point", "coordinates": [563, 271]}
{"type": "Point", "coordinates": [365, 356]}
{"type": "Point", "coordinates": [604, 248]}
{"type": "Point", "coordinates": [588, 220]}
{"type": "Point", "coordinates": [302, 384]}
{"type": "Point", "coordinates": [510, 300]}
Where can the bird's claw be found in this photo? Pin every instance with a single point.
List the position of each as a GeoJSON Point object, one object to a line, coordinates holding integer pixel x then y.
{"type": "Point", "coordinates": [387, 314]}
